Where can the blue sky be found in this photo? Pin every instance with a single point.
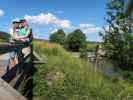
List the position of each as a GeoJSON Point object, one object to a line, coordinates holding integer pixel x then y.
{"type": "Point", "coordinates": [46, 16]}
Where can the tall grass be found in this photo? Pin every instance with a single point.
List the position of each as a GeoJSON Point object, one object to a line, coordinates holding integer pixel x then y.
{"type": "Point", "coordinates": [77, 81]}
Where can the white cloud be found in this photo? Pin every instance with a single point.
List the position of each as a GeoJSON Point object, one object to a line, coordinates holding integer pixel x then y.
{"type": "Point", "coordinates": [86, 25]}
{"type": "Point", "coordinates": [86, 28]}
{"type": "Point", "coordinates": [2, 12]}
{"type": "Point", "coordinates": [89, 28]}
{"type": "Point", "coordinates": [48, 19]}
{"type": "Point", "coordinates": [53, 31]}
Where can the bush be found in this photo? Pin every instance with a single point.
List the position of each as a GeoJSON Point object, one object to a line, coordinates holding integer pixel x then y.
{"type": "Point", "coordinates": [58, 37]}
{"type": "Point", "coordinates": [83, 53]}
{"type": "Point", "coordinates": [76, 40]}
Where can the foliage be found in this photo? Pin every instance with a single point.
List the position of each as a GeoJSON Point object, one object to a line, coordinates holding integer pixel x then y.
{"type": "Point", "coordinates": [76, 40]}
{"type": "Point", "coordinates": [58, 37]}
{"type": "Point", "coordinates": [118, 37]}
{"type": "Point", "coordinates": [83, 53]}
{"type": "Point", "coordinates": [4, 37]}
{"type": "Point", "coordinates": [73, 41]}
{"type": "Point", "coordinates": [80, 81]}
{"type": "Point", "coordinates": [126, 94]}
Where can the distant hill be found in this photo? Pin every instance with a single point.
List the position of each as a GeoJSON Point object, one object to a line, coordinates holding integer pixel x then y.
{"type": "Point", "coordinates": [43, 40]}
{"type": "Point", "coordinates": [4, 36]}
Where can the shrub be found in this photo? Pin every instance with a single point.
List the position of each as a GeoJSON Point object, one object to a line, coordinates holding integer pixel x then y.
{"type": "Point", "coordinates": [83, 53]}
{"type": "Point", "coordinates": [58, 37]}
{"type": "Point", "coordinates": [76, 40]}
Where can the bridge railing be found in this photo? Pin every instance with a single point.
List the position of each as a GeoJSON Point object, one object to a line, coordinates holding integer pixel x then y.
{"type": "Point", "coordinates": [17, 74]}
{"type": "Point", "coordinates": [5, 59]}
{"type": "Point", "coordinates": [9, 47]}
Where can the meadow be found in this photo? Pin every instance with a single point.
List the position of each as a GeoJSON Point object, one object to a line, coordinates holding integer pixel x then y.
{"type": "Point", "coordinates": [91, 46]}
{"type": "Point", "coordinates": [64, 77]}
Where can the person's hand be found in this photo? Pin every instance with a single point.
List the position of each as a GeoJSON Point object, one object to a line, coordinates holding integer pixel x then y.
{"type": "Point", "coordinates": [15, 37]}
{"type": "Point", "coordinates": [23, 40]}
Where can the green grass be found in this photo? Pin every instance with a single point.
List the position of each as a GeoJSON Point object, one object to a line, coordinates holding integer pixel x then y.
{"type": "Point", "coordinates": [91, 47]}
{"type": "Point", "coordinates": [2, 40]}
{"type": "Point", "coordinates": [76, 79]}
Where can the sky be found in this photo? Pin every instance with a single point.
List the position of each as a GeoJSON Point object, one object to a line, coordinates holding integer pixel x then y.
{"type": "Point", "coordinates": [46, 16]}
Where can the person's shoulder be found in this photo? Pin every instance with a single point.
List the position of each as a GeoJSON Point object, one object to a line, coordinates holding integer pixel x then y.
{"type": "Point", "coordinates": [29, 28]}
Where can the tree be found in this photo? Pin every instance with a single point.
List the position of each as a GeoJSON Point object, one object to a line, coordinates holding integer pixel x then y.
{"type": "Point", "coordinates": [118, 37]}
{"type": "Point", "coordinates": [58, 37]}
{"type": "Point", "coordinates": [76, 40]}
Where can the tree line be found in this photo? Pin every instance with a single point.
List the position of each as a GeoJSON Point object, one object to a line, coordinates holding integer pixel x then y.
{"type": "Point", "coordinates": [73, 41]}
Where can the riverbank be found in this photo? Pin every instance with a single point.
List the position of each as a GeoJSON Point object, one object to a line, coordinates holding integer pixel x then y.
{"type": "Point", "coordinates": [65, 77]}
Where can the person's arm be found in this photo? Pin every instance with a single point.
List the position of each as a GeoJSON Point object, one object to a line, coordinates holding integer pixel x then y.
{"type": "Point", "coordinates": [27, 34]}
{"type": "Point", "coordinates": [11, 33]}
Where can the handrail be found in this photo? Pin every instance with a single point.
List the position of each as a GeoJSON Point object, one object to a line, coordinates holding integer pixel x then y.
{"type": "Point", "coordinates": [16, 75]}
{"type": "Point", "coordinates": [9, 47]}
{"type": "Point", "coordinates": [32, 57]}
{"type": "Point", "coordinates": [9, 93]}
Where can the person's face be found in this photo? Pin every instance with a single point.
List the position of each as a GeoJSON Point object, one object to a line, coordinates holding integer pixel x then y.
{"type": "Point", "coordinates": [20, 25]}
{"type": "Point", "coordinates": [24, 23]}
{"type": "Point", "coordinates": [16, 25]}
